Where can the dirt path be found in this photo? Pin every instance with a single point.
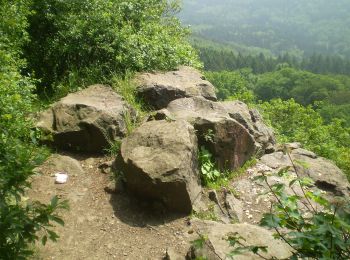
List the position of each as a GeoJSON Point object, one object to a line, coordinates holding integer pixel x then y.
{"type": "Point", "coordinates": [107, 224]}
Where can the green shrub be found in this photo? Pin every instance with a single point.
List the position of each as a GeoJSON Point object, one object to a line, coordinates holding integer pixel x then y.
{"type": "Point", "coordinates": [20, 221]}
{"type": "Point", "coordinates": [92, 39]}
{"type": "Point", "coordinates": [232, 85]}
{"type": "Point", "coordinates": [208, 170]}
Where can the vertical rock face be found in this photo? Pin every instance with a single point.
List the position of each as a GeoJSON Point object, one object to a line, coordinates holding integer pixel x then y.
{"type": "Point", "coordinates": [159, 162]}
{"type": "Point", "coordinates": [231, 143]}
{"type": "Point", "coordinates": [252, 120]}
{"type": "Point", "coordinates": [87, 120]}
{"type": "Point", "coordinates": [159, 89]}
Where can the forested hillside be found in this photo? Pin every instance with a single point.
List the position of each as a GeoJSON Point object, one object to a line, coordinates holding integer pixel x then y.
{"type": "Point", "coordinates": [297, 26]}
{"type": "Point", "coordinates": [118, 86]}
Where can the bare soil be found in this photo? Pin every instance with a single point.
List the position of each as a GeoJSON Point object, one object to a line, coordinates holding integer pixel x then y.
{"type": "Point", "coordinates": [104, 222]}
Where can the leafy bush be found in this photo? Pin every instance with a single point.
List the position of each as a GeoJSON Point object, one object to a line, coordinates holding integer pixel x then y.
{"type": "Point", "coordinates": [232, 85]}
{"type": "Point", "coordinates": [91, 39]}
{"type": "Point", "coordinates": [209, 173]}
{"type": "Point", "coordinates": [20, 221]}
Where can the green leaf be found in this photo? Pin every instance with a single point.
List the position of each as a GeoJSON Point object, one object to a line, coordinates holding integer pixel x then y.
{"type": "Point", "coordinates": [44, 240]}
{"type": "Point", "coordinates": [270, 220]}
{"type": "Point", "coordinates": [54, 201]}
{"type": "Point", "coordinates": [57, 220]}
{"type": "Point", "coordinates": [52, 235]}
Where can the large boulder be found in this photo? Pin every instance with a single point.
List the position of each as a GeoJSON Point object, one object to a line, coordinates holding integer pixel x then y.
{"type": "Point", "coordinates": [87, 120]}
{"type": "Point", "coordinates": [326, 175]}
{"type": "Point", "coordinates": [228, 140]}
{"type": "Point", "coordinates": [216, 245]}
{"type": "Point", "coordinates": [159, 162]}
{"type": "Point", "coordinates": [158, 89]}
{"type": "Point", "coordinates": [252, 120]}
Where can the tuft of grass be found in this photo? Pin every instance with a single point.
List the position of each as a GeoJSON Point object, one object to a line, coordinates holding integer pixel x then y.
{"type": "Point", "coordinates": [126, 87]}
{"type": "Point", "coordinates": [114, 147]}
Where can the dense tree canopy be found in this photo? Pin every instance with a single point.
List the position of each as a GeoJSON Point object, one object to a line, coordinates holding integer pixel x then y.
{"type": "Point", "coordinates": [92, 38]}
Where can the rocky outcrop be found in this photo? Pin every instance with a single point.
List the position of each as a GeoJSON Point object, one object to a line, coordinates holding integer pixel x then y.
{"type": "Point", "coordinates": [87, 120]}
{"type": "Point", "coordinates": [159, 89]}
{"type": "Point", "coordinates": [228, 140]}
{"type": "Point", "coordinates": [216, 245]}
{"type": "Point", "coordinates": [326, 175]}
{"type": "Point", "coordinates": [252, 120]}
{"type": "Point", "coordinates": [159, 162]}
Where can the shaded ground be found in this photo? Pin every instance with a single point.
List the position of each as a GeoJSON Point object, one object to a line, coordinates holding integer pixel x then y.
{"type": "Point", "coordinates": [106, 224]}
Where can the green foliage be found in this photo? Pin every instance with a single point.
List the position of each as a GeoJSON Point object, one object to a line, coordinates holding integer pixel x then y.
{"type": "Point", "coordinates": [218, 57]}
{"type": "Point", "coordinates": [320, 232]}
{"type": "Point", "coordinates": [126, 87]}
{"type": "Point", "coordinates": [209, 173]}
{"type": "Point", "coordinates": [304, 87]}
{"type": "Point", "coordinates": [227, 176]}
{"type": "Point", "coordinates": [91, 39]}
{"type": "Point", "coordinates": [293, 122]}
{"type": "Point", "coordinates": [20, 221]}
{"type": "Point", "coordinates": [236, 242]}
{"type": "Point", "coordinates": [232, 85]}
{"type": "Point", "coordinates": [114, 147]}
{"type": "Point", "coordinates": [199, 242]}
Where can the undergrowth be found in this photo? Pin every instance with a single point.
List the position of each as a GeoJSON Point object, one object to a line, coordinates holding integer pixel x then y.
{"type": "Point", "coordinates": [213, 178]}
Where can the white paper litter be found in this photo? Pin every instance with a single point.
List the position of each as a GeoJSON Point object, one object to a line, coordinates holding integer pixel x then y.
{"type": "Point", "coordinates": [61, 177]}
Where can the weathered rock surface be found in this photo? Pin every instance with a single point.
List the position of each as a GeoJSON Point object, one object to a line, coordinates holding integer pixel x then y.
{"type": "Point", "coordinates": [231, 143]}
{"type": "Point", "coordinates": [326, 175]}
{"type": "Point", "coordinates": [87, 120]}
{"type": "Point", "coordinates": [252, 120]}
{"type": "Point", "coordinates": [159, 89]}
{"type": "Point", "coordinates": [159, 162]}
{"type": "Point", "coordinates": [217, 247]}
{"type": "Point", "coordinates": [61, 163]}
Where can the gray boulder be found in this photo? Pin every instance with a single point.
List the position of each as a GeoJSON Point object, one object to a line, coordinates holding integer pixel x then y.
{"type": "Point", "coordinates": [326, 175]}
{"type": "Point", "coordinates": [159, 89]}
{"type": "Point", "coordinates": [159, 162]}
{"type": "Point", "coordinates": [229, 141]}
{"type": "Point", "coordinates": [217, 246]}
{"type": "Point", "coordinates": [252, 120]}
{"type": "Point", "coordinates": [87, 120]}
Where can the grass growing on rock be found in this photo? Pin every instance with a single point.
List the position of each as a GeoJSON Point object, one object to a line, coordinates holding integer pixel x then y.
{"type": "Point", "coordinates": [126, 87]}
{"type": "Point", "coordinates": [212, 178]}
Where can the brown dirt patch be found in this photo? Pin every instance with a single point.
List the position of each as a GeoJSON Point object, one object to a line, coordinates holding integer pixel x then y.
{"type": "Point", "coordinates": [106, 224]}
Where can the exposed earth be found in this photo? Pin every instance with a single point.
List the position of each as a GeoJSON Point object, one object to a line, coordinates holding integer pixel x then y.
{"type": "Point", "coordinates": [103, 223]}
